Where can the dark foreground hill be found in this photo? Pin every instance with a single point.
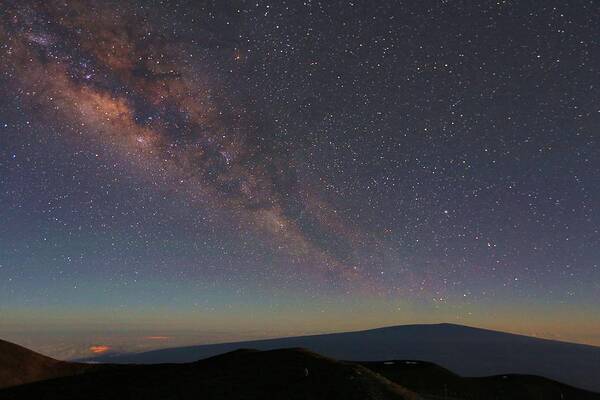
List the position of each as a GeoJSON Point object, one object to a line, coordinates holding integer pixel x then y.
{"type": "Point", "coordinates": [19, 365]}
{"type": "Point", "coordinates": [251, 374]}
{"type": "Point", "coordinates": [466, 351]}
{"type": "Point", "coordinates": [278, 374]}
{"type": "Point", "coordinates": [432, 381]}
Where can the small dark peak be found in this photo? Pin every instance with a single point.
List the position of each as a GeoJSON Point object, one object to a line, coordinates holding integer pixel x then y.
{"type": "Point", "coordinates": [299, 350]}
{"type": "Point", "coordinates": [242, 351]}
{"type": "Point", "coordinates": [297, 353]}
{"type": "Point", "coordinates": [231, 355]}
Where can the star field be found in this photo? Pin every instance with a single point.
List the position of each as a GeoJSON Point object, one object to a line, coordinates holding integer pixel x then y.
{"type": "Point", "coordinates": [301, 165]}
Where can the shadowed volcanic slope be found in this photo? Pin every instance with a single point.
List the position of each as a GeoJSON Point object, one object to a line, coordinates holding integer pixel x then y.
{"type": "Point", "coordinates": [274, 374]}
{"type": "Point", "coordinates": [244, 374]}
{"type": "Point", "coordinates": [464, 350]}
{"type": "Point", "coordinates": [19, 365]}
{"type": "Point", "coordinates": [432, 381]}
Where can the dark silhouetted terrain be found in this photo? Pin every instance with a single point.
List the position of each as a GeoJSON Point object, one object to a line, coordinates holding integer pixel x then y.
{"type": "Point", "coordinates": [244, 374]}
{"type": "Point", "coordinates": [433, 381]}
{"type": "Point", "coordinates": [252, 374]}
{"type": "Point", "coordinates": [19, 365]}
{"type": "Point", "coordinates": [464, 350]}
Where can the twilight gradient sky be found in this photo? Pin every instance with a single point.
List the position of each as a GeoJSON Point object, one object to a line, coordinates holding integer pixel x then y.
{"type": "Point", "coordinates": [176, 172]}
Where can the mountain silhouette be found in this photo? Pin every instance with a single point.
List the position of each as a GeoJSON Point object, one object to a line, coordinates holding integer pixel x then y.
{"type": "Point", "coordinates": [252, 374]}
{"type": "Point", "coordinates": [432, 381]}
{"type": "Point", "coordinates": [464, 350]}
{"type": "Point", "coordinates": [243, 374]}
{"type": "Point", "coordinates": [19, 365]}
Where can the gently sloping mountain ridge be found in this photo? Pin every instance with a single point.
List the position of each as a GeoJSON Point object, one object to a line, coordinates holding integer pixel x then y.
{"type": "Point", "coordinates": [278, 374]}
{"type": "Point", "coordinates": [465, 350]}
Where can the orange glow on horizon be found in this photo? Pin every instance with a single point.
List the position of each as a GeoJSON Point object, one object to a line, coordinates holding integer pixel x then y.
{"type": "Point", "coordinates": [157, 337]}
{"type": "Point", "coordinates": [99, 349]}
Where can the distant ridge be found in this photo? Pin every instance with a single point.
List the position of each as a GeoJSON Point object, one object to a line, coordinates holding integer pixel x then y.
{"type": "Point", "coordinates": [293, 373]}
{"type": "Point", "coordinates": [465, 350]}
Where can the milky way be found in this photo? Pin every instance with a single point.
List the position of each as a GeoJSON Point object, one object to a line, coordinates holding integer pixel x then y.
{"type": "Point", "coordinates": [431, 158]}
{"type": "Point", "coordinates": [106, 72]}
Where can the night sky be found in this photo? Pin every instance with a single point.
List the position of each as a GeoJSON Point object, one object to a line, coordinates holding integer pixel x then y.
{"type": "Point", "coordinates": [192, 171]}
